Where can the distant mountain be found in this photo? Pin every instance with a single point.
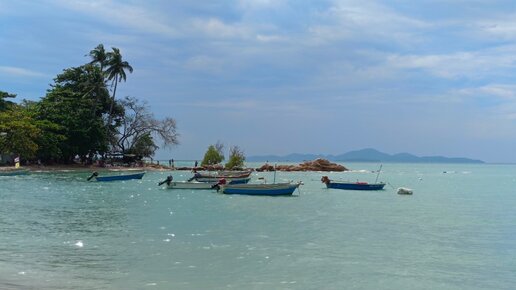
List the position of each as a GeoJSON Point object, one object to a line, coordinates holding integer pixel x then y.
{"type": "Point", "coordinates": [364, 155]}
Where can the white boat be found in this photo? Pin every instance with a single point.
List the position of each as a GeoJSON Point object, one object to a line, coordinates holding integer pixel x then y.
{"type": "Point", "coordinates": [230, 180]}
{"type": "Point", "coordinates": [189, 185]}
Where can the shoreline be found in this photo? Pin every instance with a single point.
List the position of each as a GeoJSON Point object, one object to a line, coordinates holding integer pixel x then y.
{"type": "Point", "coordinates": [315, 165]}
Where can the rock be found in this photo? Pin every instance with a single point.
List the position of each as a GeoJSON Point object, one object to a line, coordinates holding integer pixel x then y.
{"type": "Point", "coordinates": [316, 165]}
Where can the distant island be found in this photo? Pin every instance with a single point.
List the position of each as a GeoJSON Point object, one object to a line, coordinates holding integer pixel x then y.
{"type": "Point", "coordinates": [364, 155]}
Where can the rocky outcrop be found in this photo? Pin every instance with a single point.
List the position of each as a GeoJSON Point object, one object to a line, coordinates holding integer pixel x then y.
{"type": "Point", "coordinates": [315, 165]}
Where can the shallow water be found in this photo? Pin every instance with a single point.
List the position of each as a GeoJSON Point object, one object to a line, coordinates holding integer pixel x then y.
{"type": "Point", "coordinates": [457, 231]}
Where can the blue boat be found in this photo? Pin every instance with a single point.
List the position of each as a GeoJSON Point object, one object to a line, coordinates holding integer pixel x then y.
{"type": "Point", "coordinates": [359, 185]}
{"type": "Point", "coordinates": [260, 189]}
{"type": "Point", "coordinates": [117, 177]}
{"type": "Point", "coordinates": [14, 172]}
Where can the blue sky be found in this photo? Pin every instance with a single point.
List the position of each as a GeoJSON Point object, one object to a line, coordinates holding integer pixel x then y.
{"type": "Point", "coordinates": [278, 77]}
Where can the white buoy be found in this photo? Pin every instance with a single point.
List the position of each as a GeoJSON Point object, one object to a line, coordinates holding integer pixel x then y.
{"type": "Point", "coordinates": [404, 190]}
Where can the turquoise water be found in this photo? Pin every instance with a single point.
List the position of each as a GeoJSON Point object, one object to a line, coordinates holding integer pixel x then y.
{"type": "Point", "coordinates": [458, 231]}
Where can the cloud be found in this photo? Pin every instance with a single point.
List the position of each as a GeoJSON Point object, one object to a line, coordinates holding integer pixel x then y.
{"type": "Point", "coordinates": [502, 26]}
{"type": "Point", "coordinates": [359, 20]}
{"type": "Point", "coordinates": [123, 15]}
{"type": "Point", "coordinates": [498, 91]}
{"type": "Point", "coordinates": [469, 64]}
{"type": "Point", "coordinates": [215, 28]}
{"type": "Point", "coordinates": [19, 72]}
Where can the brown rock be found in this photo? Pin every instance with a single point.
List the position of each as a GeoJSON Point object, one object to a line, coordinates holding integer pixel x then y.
{"type": "Point", "coordinates": [315, 165]}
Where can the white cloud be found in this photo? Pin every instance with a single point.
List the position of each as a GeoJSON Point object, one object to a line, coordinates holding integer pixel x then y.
{"type": "Point", "coordinates": [215, 28]}
{"type": "Point", "coordinates": [260, 4]}
{"type": "Point", "coordinates": [500, 26]}
{"type": "Point", "coordinates": [498, 91]}
{"type": "Point", "coordinates": [204, 63]}
{"type": "Point", "coordinates": [122, 15]}
{"type": "Point", "coordinates": [365, 19]}
{"type": "Point", "coordinates": [19, 72]}
{"type": "Point", "coordinates": [475, 64]}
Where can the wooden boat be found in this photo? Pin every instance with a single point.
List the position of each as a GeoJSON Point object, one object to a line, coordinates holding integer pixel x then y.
{"type": "Point", "coordinates": [229, 180]}
{"type": "Point", "coordinates": [273, 189]}
{"type": "Point", "coordinates": [171, 184]}
{"type": "Point", "coordinates": [224, 174]}
{"type": "Point", "coordinates": [359, 185]}
{"type": "Point", "coordinates": [117, 177]}
{"type": "Point", "coordinates": [189, 185]}
{"type": "Point", "coordinates": [14, 172]}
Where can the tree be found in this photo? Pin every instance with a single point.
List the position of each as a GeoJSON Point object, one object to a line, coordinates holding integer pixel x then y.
{"type": "Point", "coordinates": [116, 72]}
{"type": "Point", "coordinates": [219, 146]}
{"type": "Point", "coordinates": [236, 158]}
{"type": "Point", "coordinates": [212, 156]}
{"type": "Point", "coordinates": [70, 104]}
{"type": "Point", "coordinates": [50, 139]}
{"type": "Point", "coordinates": [138, 127]}
{"type": "Point", "coordinates": [4, 104]}
{"type": "Point", "coordinates": [18, 133]}
{"type": "Point", "coordinates": [144, 146]}
{"type": "Point", "coordinates": [99, 56]}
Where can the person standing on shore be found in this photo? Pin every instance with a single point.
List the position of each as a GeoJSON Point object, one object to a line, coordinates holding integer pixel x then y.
{"type": "Point", "coordinates": [195, 164]}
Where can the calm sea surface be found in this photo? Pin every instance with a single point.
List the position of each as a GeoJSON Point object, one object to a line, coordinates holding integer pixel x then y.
{"type": "Point", "coordinates": [458, 231]}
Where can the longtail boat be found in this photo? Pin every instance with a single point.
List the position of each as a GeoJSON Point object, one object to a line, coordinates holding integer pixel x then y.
{"type": "Point", "coordinates": [116, 177]}
{"type": "Point", "coordinates": [273, 189]}
{"type": "Point", "coordinates": [348, 185]}
{"type": "Point", "coordinates": [14, 172]}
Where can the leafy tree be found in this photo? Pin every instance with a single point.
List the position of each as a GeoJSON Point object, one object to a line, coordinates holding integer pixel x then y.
{"type": "Point", "coordinates": [236, 158]}
{"type": "Point", "coordinates": [70, 104]}
{"type": "Point", "coordinates": [115, 71]}
{"type": "Point", "coordinates": [18, 133]}
{"type": "Point", "coordinates": [50, 139]}
{"type": "Point", "coordinates": [219, 146]}
{"type": "Point", "coordinates": [4, 104]}
{"type": "Point", "coordinates": [138, 126]}
{"type": "Point", "coordinates": [144, 146]}
{"type": "Point", "coordinates": [212, 156]}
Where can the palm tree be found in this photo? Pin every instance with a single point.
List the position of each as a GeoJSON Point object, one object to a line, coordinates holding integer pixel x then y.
{"type": "Point", "coordinates": [98, 56]}
{"type": "Point", "coordinates": [115, 72]}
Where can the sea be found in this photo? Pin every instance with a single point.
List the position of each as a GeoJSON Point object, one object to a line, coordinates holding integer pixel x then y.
{"type": "Point", "coordinates": [457, 231]}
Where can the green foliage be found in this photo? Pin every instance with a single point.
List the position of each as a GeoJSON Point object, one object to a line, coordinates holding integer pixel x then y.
{"type": "Point", "coordinates": [78, 116]}
{"type": "Point", "coordinates": [19, 133]}
{"type": "Point", "coordinates": [144, 146]}
{"type": "Point", "coordinates": [236, 158]}
{"type": "Point", "coordinates": [212, 156]}
{"type": "Point", "coordinates": [77, 102]}
{"type": "Point", "coordinates": [4, 104]}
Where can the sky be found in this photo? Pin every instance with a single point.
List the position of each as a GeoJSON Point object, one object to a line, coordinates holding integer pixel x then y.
{"type": "Point", "coordinates": [290, 76]}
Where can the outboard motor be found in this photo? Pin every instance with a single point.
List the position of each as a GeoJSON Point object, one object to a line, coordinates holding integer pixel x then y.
{"type": "Point", "coordinates": [217, 185]}
{"type": "Point", "coordinates": [167, 181]}
{"type": "Point", "coordinates": [95, 174]}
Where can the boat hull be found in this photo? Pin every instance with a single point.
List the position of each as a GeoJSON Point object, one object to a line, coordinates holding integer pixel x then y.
{"type": "Point", "coordinates": [260, 189]}
{"type": "Point", "coordinates": [226, 174]}
{"type": "Point", "coordinates": [14, 172]}
{"type": "Point", "coordinates": [189, 185]}
{"type": "Point", "coordinates": [120, 177]}
{"type": "Point", "coordinates": [229, 180]}
{"type": "Point", "coordinates": [355, 185]}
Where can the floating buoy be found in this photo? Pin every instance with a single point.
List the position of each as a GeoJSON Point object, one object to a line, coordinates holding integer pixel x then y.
{"type": "Point", "coordinates": [404, 190]}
